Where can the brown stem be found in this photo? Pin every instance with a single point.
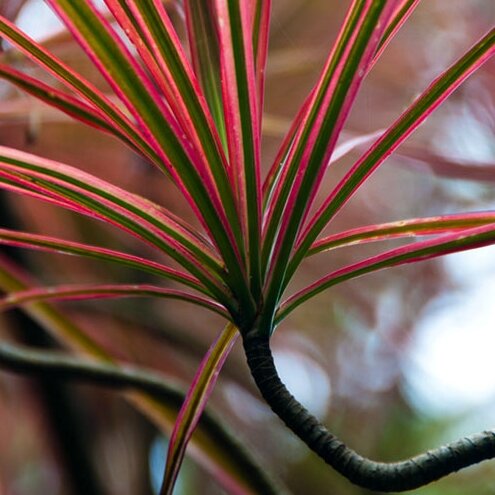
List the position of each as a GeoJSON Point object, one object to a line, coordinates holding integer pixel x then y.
{"type": "Point", "coordinates": [386, 477]}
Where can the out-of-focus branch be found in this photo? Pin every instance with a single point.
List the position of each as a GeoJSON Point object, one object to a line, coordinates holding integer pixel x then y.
{"type": "Point", "coordinates": [50, 364]}
{"type": "Point", "coordinates": [58, 366]}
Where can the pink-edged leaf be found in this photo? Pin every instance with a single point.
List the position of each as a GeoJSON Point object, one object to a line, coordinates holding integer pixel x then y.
{"type": "Point", "coordinates": [149, 28]}
{"type": "Point", "coordinates": [470, 238]}
{"type": "Point", "coordinates": [317, 135]}
{"type": "Point", "coordinates": [277, 171]}
{"type": "Point", "coordinates": [404, 228]}
{"type": "Point", "coordinates": [195, 402]}
{"type": "Point", "coordinates": [404, 126]}
{"type": "Point", "coordinates": [78, 84]}
{"type": "Point", "coordinates": [19, 162]}
{"type": "Point", "coordinates": [109, 291]}
{"type": "Point", "coordinates": [178, 154]}
{"type": "Point", "coordinates": [55, 245]}
{"type": "Point", "coordinates": [349, 143]}
{"type": "Point", "coordinates": [326, 111]}
{"type": "Point", "coordinates": [423, 160]}
{"type": "Point", "coordinates": [205, 55]}
{"type": "Point", "coordinates": [242, 121]}
{"type": "Point", "coordinates": [62, 101]}
{"type": "Point", "coordinates": [86, 194]}
{"type": "Point", "coordinates": [402, 12]}
{"type": "Point", "coordinates": [261, 30]}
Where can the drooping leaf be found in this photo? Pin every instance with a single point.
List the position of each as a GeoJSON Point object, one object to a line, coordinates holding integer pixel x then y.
{"type": "Point", "coordinates": [64, 102]}
{"type": "Point", "coordinates": [94, 197]}
{"type": "Point", "coordinates": [195, 403]}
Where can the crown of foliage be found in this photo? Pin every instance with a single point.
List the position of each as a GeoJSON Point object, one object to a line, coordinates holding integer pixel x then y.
{"type": "Point", "coordinates": [193, 109]}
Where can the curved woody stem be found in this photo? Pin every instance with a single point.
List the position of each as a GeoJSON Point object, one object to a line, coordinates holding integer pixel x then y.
{"type": "Point", "coordinates": [386, 477]}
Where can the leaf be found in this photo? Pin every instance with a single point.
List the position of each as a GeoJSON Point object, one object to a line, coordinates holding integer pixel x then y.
{"type": "Point", "coordinates": [159, 135]}
{"type": "Point", "coordinates": [261, 30]}
{"type": "Point", "coordinates": [239, 90]}
{"type": "Point", "coordinates": [94, 197]}
{"type": "Point", "coordinates": [52, 244]}
{"type": "Point", "coordinates": [402, 12]}
{"type": "Point", "coordinates": [403, 127]}
{"type": "Point", "coordinates": [77, 292]}
{"type": "Point", "coordinates": [402, 228]}
{"type": "Point", "coordinates": [132, 85]}
{"type": "Point", "coordinates": [64, 102]}
{"type": "Point", "coordinates": [195, 403]}
{"type": "Point", "coordinates": [148, 27]}
{"type": "Point", "coordinates": [316, 136]}
{"type": "Point", "coordinates": [203, 44]}
{"type": "Point", "coordinates": [51, 173]}
{"type": "Point", "coordinates": [470, 238]}
{"type": "Point", "coordinates": [75, 82]}
{"type": "Point", "coordinates": [277, 171]}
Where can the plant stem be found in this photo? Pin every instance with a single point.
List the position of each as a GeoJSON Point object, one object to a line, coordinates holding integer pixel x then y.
{"type": "Point", "coordinates": [386, 477]}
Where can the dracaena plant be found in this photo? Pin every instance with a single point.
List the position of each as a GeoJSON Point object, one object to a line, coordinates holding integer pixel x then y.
{"type": "Point", "coordinates": [193, 109]}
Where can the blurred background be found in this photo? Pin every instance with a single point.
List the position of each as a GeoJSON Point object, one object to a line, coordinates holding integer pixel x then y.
{"type": "Point", "coordinates": [394, 363]}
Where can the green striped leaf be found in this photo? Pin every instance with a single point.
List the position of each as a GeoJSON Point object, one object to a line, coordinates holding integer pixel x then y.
{"type": "Point", "coordinates": [316, 138]}
{"type": "Point", "coordinates": [195, 402]}
{"type": "Point", "coordinates": [470, 238]}
{"type": "Point", "coordinates": [55, 245]}
{"type": "Point", "coordinates": [403, 228]}
{"type": "Point", "coordinates": [90, 196]}
{"type": "Point", "coordinates": [403, 127]}
{"type": "Point", "coordinates": [76, 292]}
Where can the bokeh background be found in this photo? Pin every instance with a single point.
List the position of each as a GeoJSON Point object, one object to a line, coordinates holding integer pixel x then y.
{"type": "Point", "coordinates": [394, 363]}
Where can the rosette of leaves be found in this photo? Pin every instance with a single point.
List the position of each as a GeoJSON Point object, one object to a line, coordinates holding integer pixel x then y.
{"type": "Point", "coordinates": [193, 109]}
